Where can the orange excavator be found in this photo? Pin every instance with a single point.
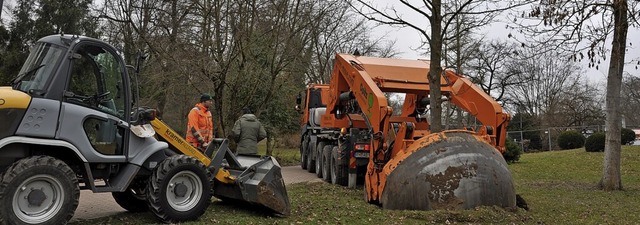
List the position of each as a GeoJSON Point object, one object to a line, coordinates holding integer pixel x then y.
{"type": "Point", "coordinates": [351, 135]}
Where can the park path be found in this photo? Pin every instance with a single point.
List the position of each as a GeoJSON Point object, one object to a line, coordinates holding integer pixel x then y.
{"type": "Point", "coordinates": [96, 205]}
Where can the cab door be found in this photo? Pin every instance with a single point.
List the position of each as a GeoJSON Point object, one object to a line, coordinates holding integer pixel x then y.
{"type": "Point", "coordinates": [95, 105]}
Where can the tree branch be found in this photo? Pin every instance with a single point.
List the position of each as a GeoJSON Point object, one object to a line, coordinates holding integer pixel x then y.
{"type": "Point", "coordinates": [404, 2]}
{"type": "Point", "coordinates": [392, 21]}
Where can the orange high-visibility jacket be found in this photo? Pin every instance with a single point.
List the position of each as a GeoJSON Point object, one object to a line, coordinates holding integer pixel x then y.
{"type": "Point", "coordinates": [200, 126]}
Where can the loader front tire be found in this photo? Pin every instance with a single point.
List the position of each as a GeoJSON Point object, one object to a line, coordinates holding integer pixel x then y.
{"type": "Point", "coordinates": [179, 189]}
{"type": "Point", "coordinates": [38, 190]}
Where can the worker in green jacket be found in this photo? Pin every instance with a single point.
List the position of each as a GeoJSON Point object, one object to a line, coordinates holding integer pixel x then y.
{"type": "Point", "coordinates": [248, 131]}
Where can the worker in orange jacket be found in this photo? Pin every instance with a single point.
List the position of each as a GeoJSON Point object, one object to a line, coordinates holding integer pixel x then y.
{"type": "Point", "coordinates": [200, 125]}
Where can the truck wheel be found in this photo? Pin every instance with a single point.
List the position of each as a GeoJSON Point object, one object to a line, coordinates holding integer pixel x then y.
{"type": "Point", "coordinates": [311, 162]}
{"type": "Point", "coordinates": [326, 163]}
{"type": "Point", "coordinates": [338, 169]}
{"type": "Point", "coordinates": [38, 190]}
{"type": "Point", "coordinates": [319, 153]}
{"type": "Point", "coordinates": [131, 200]}
{"type": "Point", "coordinates": [304, 152]}
{"type": "Point", "coordinates": [179, 189]}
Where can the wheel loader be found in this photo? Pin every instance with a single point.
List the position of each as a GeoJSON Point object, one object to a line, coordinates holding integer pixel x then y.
{"type": "Point", "coordinates": [68, 122]}
{"type": "Point", "coordinates": [351, 135]}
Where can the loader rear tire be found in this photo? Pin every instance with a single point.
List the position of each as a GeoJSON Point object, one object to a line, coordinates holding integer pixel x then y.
{"type": "Point", "coordinates": [319, 152]}
{"type": "Point", "coordinates": [131, 201]}
{"type": "Point", "coordinates": [326, 163]}
{"type": "Point", "coordinates": [38, 190]}
{"type": "Point", "coordinates": [311, 163]}
{"type": "Point", "coordinates": [179, 189]}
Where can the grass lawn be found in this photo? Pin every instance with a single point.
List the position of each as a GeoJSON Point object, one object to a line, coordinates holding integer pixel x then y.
{"type": "Point", "coordinates": [560, 188]}
{"type": "Point", "coordinates": [285, 156]}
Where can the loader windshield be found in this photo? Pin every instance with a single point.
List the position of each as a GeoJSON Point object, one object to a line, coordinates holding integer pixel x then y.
{"type": "Point", "coordinates": [38, 67]}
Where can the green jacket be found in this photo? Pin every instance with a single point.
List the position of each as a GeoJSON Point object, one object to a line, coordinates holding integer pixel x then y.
{"type": "Point", "coordinates": [248, 131]}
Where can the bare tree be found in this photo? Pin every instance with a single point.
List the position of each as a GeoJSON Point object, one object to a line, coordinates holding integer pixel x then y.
{"type": "Point", "coordinates": [158, 29]}
{"type": "Point", "coordinates": [584, 26]}
{"type": "Point", "coordinates": [540, 80]}
{"type": "Point", "coordinates": [490, 67]}
{"type": "Point", "coordinates": [460, 46]}
{"type": "Point", "coordinates": [580, 105]}
{"type": "Point", "coordinates": [439, 22]}
{"type": "Point", "coordinates": [341, 31]}
{"type": "Point", "coordinates": [631, 97]}
{"type": "Point", "coordinates": [461, 40]}
{"type": "Point", "coordinates": [214, 24]}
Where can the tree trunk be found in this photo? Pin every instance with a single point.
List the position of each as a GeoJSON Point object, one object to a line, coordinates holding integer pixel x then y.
{"type": "Point", "coordinates": [435, 67]}
{"type": "Point", "coordinates": [611, 174]}
{"type": "Point", "coordinates": [270, 142]}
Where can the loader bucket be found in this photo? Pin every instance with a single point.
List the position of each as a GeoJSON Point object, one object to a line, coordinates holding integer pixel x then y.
{"type": "Point", "coordinates": [448, 170]}
{"type": "Point", "coordinates": [257, 180]}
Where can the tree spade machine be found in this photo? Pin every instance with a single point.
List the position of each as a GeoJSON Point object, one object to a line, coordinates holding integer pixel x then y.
{"type": "Point", "coordinates": [351, 134]}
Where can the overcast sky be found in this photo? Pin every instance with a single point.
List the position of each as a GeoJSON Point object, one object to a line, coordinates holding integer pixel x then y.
{"type": "Point", "coordinates": [408, 40]}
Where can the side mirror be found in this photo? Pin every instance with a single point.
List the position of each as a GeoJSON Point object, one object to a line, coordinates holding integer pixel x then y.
{"type": "Point", "coordinates": [298, 102]}
{"type": "Point", "coordinates": [339, 114]}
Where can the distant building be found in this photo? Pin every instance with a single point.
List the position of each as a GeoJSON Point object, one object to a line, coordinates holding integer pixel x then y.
{"type": "Point", "coordinates": [637, 141]}
{"type": "Point", "coordinates": [637, 131]}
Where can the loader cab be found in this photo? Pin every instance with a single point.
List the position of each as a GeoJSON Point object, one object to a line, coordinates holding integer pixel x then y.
{"type": "Point", "coordinates": [97, 81]}
{"type": "Point", "coordinates": [86, 81]}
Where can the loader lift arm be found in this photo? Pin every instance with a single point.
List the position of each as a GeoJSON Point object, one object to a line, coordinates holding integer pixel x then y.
{"type": "Point", "coordinates": [399, 140]}
{"type": "Point", "coordinates": [253, 179]}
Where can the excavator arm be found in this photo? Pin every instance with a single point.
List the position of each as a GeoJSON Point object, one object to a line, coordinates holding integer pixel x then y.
{"type": "Point", "coordinates": [350, 81]}
{"type": "Point", "coordinates": [472, 99]}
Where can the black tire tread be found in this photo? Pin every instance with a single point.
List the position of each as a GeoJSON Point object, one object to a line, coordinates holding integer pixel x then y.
{"type": "Point", "coordinates": [326, 160]}
{"type": "Point", "coordinates": [19, 167]}
{"type": "Point", "coordinates": [319, 163]}
{"type": "Point", "coordinates": [311, 163]}
{"type": "Point", "coordinates": [154, 190]}
{"type": "Point", "coordinates": [127, 201]}
{"type": "Point", "coordinates": [340, 170]}
{"type": "Point", "coordinates": [304, 152]}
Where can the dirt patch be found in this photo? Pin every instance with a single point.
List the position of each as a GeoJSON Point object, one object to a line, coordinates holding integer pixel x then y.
{"type": "Point", "coordinates": [443, 185]}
